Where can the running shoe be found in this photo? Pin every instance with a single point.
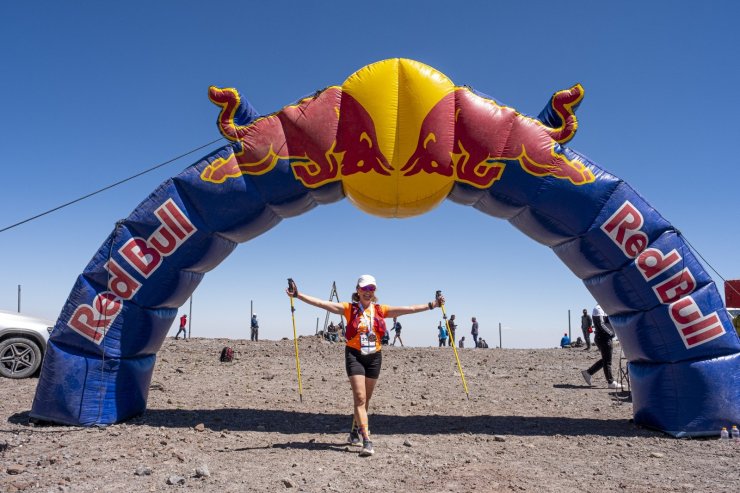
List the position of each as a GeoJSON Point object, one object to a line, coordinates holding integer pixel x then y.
{"type": "Point", "coordinates": [354, 438]}
{"type": "Point", "coordinates": [367, 449]}
{"type": "Point", "coordinates": [586, 376]}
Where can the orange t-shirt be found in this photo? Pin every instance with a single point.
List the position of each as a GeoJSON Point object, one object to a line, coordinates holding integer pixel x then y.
{"type": "Point", "coordinates": [358, 324]}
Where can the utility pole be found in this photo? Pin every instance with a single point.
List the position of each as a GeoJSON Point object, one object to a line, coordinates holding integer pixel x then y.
{"type": "Point", "coordinates": [500, 343]}
{"type": "Point", "coordinates": [569, 323]}
{"type": "Point", "coordinates": [19, 298]}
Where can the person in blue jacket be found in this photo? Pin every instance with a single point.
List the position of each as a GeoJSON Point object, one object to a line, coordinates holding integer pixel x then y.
{"type": "Point", "coordinates": [442, 334]}
{"type": "Point", "coordinates": [565, 341]}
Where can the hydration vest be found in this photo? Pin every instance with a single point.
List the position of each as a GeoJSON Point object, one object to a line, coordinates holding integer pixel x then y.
{"type": "Point", "coordinates": [353, 325]}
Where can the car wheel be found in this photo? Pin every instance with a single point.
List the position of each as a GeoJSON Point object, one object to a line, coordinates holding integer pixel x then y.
{"type": "Point", "coordinates": [19, 357]}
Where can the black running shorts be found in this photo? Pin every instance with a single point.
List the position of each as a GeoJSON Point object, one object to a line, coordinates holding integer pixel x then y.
{"type": "Point", "coordinates": [362, 364]}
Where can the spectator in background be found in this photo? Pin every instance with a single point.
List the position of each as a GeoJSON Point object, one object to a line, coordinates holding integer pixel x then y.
{"type": "Point", "coordinates": [474, 331]}
{"type": "Point", "coordinates": [603, 334]}
{"type": "Point", "coordinates": [255, 326]}
{"type": "Point", "coordinates": [334, 332]}
{"type": "Point", "coordinates": [453, 326]}
{"type": "Point", "coordinates": [442, 334]}
{"type": "Point", "coordinates": [565, 341]}
{"type": "Point", "coordinates": [183, 323]}
{"type": "Point", "coordinates": [586, 324]}
{"type": "Point", "coordinates": [461, 345]}
{"type": "Point", "coordinates": [397, 329]}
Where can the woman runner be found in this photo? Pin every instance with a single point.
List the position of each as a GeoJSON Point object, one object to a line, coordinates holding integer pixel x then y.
{"type": "Point", "coordinates": [362, 357]}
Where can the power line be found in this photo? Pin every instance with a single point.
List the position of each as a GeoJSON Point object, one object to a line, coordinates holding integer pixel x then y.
{"type": "Point", "coordinates": [706, 262]}
{"type": "Point", "coordinates": [108, 187]}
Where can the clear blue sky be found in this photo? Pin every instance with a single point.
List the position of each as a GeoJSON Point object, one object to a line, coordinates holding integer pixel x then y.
{"type": "Point", "coordinates": [94, 92]}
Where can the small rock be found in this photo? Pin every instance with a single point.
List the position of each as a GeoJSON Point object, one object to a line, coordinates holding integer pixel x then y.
{"type": "Point", "coordinates": [175, 480]}
{"type": "Point", "coordinates": [406, 443]}
{"type": "Point", "coordinates": [15, 469]}
{"type": "Point", "coordinates": [656, 455]}
{"type": "Point", "coordinates": [200, 427]}
{"type": "Point", "coordinates": [202, 472]}
{"type": "Point", "coordinates": [143, 471]}
{"type": "Point", "coordinates": [499, 438]}
{"type": "Point", "coordinates": [288, 483]}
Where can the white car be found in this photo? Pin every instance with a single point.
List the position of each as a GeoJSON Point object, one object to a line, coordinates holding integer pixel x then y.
{"type": "Point", "coordinates": [22, 344]}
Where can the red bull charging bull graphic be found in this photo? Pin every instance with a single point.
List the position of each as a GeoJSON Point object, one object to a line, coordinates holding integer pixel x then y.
{"type": "Point", "coordinates": [464, 137]}
{"type": "Point", "coordinates": [397, 138]}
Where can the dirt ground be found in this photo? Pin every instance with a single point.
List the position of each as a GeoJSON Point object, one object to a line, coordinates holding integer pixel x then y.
{"type": "Point", "coordinates": [531, 424]}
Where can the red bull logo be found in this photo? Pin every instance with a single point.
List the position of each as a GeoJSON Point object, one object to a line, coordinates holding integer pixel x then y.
{"type": "Point", "coordinates": [375, 133]}
{"type": "Point", "coordinates": [323, 137]}
{"type": "Point", "coordinates": [480, 147]}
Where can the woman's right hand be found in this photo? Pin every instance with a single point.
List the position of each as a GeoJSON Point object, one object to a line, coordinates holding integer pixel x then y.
{"type": "Point", "coordinates": [292, 290]}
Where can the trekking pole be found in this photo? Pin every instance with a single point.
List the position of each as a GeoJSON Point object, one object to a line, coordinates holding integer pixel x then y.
{"type": "Point", "coordinates": [292, 288]}
{"type": "Point", "coordinates": [454, 346]}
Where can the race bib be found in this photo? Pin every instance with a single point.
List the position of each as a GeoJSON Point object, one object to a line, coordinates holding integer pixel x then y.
{"type": "Point", "coordinates": [367, 343]}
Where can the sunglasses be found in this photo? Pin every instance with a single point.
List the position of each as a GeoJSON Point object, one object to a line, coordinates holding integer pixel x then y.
{"type": "Point", "coordinates": [369, 287]}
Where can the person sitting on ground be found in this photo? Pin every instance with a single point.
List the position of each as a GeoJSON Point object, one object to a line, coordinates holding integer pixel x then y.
{"type": "Point", "coordinates": [333, 332]}
{"type": "Point", "coordinates": [578, 343]}
{"type": "Point", "coordinates": [462, 342]}
{"type": "Point", "coordinates": [565, 341]}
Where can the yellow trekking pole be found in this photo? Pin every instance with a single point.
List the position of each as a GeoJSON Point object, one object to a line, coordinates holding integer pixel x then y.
{"type": "Point", "coordinates": [292, 288]}
{"type": "Point", "coordinates": [454, 346]}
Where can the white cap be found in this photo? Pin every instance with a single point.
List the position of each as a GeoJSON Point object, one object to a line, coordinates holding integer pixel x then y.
{"type": "Point", "coordinates": [366, 280]}
{"type": "Point", "coordinates": [254, 314]}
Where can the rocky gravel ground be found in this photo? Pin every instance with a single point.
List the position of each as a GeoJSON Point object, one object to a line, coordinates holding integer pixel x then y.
{"type": "Point", "coordinates": [530, 424]}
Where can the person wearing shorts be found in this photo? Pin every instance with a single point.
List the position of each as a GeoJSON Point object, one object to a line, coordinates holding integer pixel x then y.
{"type": "Point", "coordinates": [362, 353]}
{"type": "Point", "coordinates": [397, 327]}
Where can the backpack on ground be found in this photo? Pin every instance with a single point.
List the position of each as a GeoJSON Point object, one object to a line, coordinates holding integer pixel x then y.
{"type": "Point", "coordinates": [227, 355]}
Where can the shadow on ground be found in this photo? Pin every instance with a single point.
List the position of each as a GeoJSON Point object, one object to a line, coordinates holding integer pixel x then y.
{"type": "Point", "coordinates": [291, 422]}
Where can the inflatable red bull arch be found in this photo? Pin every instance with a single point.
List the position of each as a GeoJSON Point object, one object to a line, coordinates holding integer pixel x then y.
{"type": "Point", "coordinates": [396, 139]}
